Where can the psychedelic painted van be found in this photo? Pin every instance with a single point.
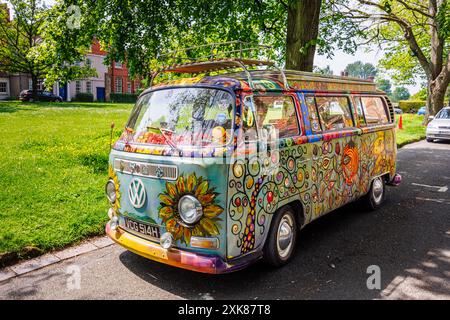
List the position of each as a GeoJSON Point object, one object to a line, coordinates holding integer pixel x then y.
{"type": "Point", "coordinates": [215, 172]}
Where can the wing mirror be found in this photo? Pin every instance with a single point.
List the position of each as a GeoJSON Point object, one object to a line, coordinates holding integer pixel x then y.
{"type": "Point", "coordinates": [430, 118]}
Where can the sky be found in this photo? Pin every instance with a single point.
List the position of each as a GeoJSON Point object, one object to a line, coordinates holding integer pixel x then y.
{"type": "Point", "coordinates": [340, 59]}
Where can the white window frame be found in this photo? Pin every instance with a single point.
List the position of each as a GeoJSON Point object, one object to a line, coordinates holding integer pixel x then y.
{"type": "Point", "coordinates": [6, 82]}
{"type": "Point", "coordinates": [89, 86]}
{"type": "Point", "coordinates": [78, 87]}
{"type": "Point", "coordinates": [118, 82]}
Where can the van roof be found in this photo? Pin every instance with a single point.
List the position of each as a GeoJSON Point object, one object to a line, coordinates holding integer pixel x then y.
{"type": "Point", "coordinates": [266, 80]}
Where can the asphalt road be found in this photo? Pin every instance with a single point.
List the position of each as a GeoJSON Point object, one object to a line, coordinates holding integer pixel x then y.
{"type": "Point", "coordinates": [409, 239]}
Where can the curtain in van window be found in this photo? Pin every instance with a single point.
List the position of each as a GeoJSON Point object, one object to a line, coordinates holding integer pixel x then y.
{"type": "Point", "coordinates": [374, 110]}
{"type": "Point", "coordinates": [334, 112]}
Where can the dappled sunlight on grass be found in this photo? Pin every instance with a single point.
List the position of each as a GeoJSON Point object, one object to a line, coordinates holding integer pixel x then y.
{"type": "Point", "coordinates": [53, 167]}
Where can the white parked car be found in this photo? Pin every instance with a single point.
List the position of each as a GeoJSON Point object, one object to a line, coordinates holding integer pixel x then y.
{"type": "Point", "coordinates": [439, 126]}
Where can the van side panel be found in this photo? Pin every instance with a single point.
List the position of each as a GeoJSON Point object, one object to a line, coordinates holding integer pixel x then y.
{"type": "Point", "coordinates": [323, 172]}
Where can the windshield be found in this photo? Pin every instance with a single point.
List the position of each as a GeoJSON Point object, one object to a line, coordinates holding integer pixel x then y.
{"type": "Point", "coordinates": [183, 117]}
{"type": "Point", "coordinates": [443, 114]}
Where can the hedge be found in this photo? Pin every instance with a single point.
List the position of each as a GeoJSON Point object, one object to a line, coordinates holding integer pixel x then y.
{"type": "Point", "coordinates": [83, 97]}
{"type": "Point", "coordinates": [123, 97]}
{"type": "Point", "coordinates": [411, 106]}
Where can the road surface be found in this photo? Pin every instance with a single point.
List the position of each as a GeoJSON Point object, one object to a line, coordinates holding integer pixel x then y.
{"type": "Point", "coordinates": [408, 239]}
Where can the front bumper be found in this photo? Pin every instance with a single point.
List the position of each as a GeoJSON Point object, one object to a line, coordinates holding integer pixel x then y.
{"type": "Point", "coordinates": [438, 134]}
{"type": "Point", "coordinates": [396, 180]}
{"type": "Point", "coordinates": [175, 257]}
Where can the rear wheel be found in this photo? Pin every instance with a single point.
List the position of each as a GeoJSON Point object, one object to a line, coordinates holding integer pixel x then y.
{"type": "Point", "coordinates": [281, 241]}
{"type": "Point", "coordinates": [376, 196]}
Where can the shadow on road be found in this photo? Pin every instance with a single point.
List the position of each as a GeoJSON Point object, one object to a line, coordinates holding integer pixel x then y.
{"type": "Point", "coordinates": [409, 239]}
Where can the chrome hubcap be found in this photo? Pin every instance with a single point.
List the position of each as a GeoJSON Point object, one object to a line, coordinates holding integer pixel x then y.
{"type": "Point", "coordinates": [377, 190]}
{"type": "Point", "coordinates": [285, 235]}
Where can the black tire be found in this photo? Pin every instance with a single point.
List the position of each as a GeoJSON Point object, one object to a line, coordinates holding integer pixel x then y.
{"type": "Point", "coordinates": [430, 140]}
{"type": "Point", "coordinates": [278, 252]}
{"type": "Point", "coordinates": [377, 194]}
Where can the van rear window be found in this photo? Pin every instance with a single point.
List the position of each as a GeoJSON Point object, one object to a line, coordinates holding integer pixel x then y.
{"type": "Point", "coordinates": [334, 112]}
{"type": "Point", "coordinates": [374, 110]}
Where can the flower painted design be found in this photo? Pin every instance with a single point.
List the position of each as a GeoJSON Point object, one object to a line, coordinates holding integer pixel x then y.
{"type": "Point", "coordinates": [168, 209]}
{"type": "Point", "coordinates": [112, 175]}
{"type": "Point", "coordinates": [350, 162]}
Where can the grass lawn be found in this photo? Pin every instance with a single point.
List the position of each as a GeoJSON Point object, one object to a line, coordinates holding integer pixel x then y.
{"type": "Point", "coordinates": [413, 130]}
{"type": "Point", "coordinates": [53, 167]}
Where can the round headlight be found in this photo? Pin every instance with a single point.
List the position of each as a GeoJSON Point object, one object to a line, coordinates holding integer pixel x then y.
{"type": "Point", "coordinates": [110, 190]}
{"type": "Point", "coordinates": [190, 209]}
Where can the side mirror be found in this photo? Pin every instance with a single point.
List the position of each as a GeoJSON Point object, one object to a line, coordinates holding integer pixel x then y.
{"type": "Point", "coordinates": [430, 118]}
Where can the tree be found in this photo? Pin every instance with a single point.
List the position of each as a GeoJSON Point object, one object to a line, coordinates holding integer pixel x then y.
{"type": "Point", "coordinates": [20, 37]}
{"type": "Point", "coordinates": [29, 46]}
{"type": "Point", "coordinates": [414, 33]}
{"type": "Point", "coordinates": [385, 85]}
{"type": "Point", "coordinates": [325, 71]}
{"type": "Point", "coordinates": [400, 94]}
{"type": "Point", "coordinates": [139, 31]}
{"type": "Point", "coordinates": [302, 33]}
{"type": "Point", "coordinates": [361, 70]}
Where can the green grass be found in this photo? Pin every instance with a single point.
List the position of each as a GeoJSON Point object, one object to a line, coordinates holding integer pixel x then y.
{"type": "Point", "coordinates": [53, 167]}
{"type": "Point", "coordinates": [413, 129]}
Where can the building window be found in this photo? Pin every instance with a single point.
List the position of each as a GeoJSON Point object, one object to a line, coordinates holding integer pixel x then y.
{"type": "Point", "coordinates": [118, 83]}
{"type": "Point", "coordinates": [77, 87]}
{"type": "Point", "coordinates": [88, 62]}
{"type": "Point", "coordinates": [118, 64]}
{"type": "Point", "coordinates": [3, 87]}
{"type": "Point", "coordinates": [129, 87]}
{"type": "Point", "coordinates": [89, 86]}
{"type": "Point", "coordinates": [40, 84]}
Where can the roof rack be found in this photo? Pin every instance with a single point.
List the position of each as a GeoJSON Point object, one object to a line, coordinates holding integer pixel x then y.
{"type": "Point", "coordinates": [209, 58]}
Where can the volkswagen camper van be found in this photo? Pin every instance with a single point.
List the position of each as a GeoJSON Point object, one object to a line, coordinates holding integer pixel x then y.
{"type": "Point", "coordinates": [217, 171]}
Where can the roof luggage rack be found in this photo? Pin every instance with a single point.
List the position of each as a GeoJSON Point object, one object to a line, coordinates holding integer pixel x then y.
{"type": "Point", "coordinates": [210, 58]}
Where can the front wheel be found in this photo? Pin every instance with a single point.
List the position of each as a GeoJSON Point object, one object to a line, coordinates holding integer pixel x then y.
{"type": "Point", "coordinates": [430, 140]}
{"type": "Point", "coordinates": [376, 196]}
{"type": "Point", "coordinates": [281, 241]}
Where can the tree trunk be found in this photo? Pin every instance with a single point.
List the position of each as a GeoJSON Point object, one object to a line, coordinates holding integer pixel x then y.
{"type": "Point", "coordinates": [436, 96]}
{"type": "Point", "coordinates": [34, 88]}
{"type": "Point", "coordinates": [302, 32]}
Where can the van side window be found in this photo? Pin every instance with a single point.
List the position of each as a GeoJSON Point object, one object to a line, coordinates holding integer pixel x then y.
{"type": "Point", "coordinates": [313, 117]}
{"type": "Point", "coordinates": [359, 109]}
{"type": "Point", "coordinates": [374, 110]}
{"type": "Point", "coordinates": [334, 112]}
{"type": "Point", "coordinates": [277, 112]}
{"type": "Point", "coordinates": [248, 119]}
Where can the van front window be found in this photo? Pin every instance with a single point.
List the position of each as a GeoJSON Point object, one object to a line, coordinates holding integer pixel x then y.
{"type": "Point", "coordinates": [183, 117]}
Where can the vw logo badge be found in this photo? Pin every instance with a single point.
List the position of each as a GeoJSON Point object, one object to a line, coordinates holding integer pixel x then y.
{"type": "Point", "coordinates": [136, 193]}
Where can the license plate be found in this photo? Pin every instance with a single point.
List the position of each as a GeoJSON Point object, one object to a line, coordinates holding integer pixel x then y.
{"type": "Point", "coordinates": [145, 229]}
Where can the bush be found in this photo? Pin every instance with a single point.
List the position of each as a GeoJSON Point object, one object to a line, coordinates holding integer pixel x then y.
{"type": "Point", "coordinates": [83, 97]}
{"type": "Point", "coordinates": [410, 106]}
{"type": "Point", "coordinates": [123, 97]}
